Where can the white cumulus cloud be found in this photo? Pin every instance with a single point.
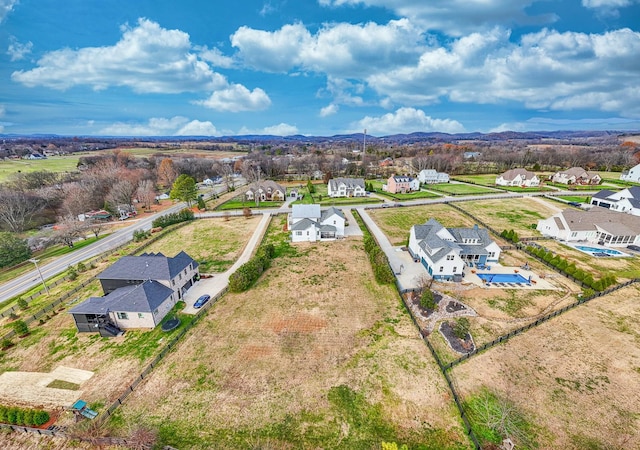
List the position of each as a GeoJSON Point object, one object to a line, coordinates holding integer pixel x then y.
{"type": "Point", "coordinates": [160, 126]}
{"type": "Point", "coordinates": [406, 119]}
{"type": "Point", "coordinates": [236, 98]}
{"type": "Point", "coordinates": [6, 6]}
{"type": "Point", "coordinates": [329, 110]}
{"type": "Point", "coordinates": [340, 49]}
{"type": "Point", "coordinates": [17, 50]}
{"type": "Point", "coordinates": [456, 17]}
{"type": "Point", "coordinates": [147, 59]}
{"type": "Point", "coordinates": [282, 129]}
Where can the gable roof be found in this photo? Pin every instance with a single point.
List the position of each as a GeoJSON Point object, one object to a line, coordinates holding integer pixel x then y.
{"type": "Point", "coordinates": [350, 183]}
{"type": "Point", "coordinates": [303, 224]}
{"type": "Point", "coordinates": [429, 240]}
{"type": "Point", "coordinates": [605, 193]}
{"type": "Point", "coordinates": [603, 218]}
{"type": "Point", "coordinates": [513, 173]}
{"type": "Point", "coordinates": [305, 211]}
{"type": "Point", "coordinates": [144, 297]}
{"type": "Point", "coordinates": [148, 266]}
{"type": "Point", "coordinates": [402, 178]}
{"type": "Point", "coordinates": [330, 212]}
{"type": "Point", "coordinates": [265, 185]}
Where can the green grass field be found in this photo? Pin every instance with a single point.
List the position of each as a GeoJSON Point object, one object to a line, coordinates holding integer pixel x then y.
{"type": "Point", "coordinates": [53, 164]}
{"type": "Point", "coordinates": [462, 189]}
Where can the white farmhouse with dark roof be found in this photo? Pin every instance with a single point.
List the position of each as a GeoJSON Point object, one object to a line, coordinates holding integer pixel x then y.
{"type": "Point", "coordinates": [309, 224]}
{"type": "Point", "coordinates": [346, 187]}
{"type": "Point", "coordinates": [445, 252]}
{"type": "Point", "coordinates": [431, 176]}
{"type": "Point", "coordinates": [625, 201]}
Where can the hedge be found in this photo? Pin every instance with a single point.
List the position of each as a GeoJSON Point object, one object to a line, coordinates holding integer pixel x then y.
{"type": "Point", "coordinates": [570, 269]}
{"type": "Point", "coordinates": [248, 273]}
{"type": "Point", "coordinates": [173, 218]}
{"type": "Point", "coordinates": [21, 416]}
{"type": "Point", "coordinates": [379, 262]}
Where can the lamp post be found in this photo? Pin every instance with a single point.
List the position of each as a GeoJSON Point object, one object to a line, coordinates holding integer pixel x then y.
{"type": "Point", "coordinates": [35, 261]}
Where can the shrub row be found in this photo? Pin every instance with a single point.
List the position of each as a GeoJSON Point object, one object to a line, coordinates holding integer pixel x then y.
{"type": "Point", "coordinates": [20, 416]}
{"type": "Point", "coordinates": [141, 235]}
{"type": "Point", "coordinates": [248, 273]}
{"type": "Point", "coordinates": [173, 218]}
{"type": "Point", "coordinates": [378, 260]}
{"type": "Point", "coordinates": [510, 235]}
{"type": "Point", "coordinates": [570, 269]}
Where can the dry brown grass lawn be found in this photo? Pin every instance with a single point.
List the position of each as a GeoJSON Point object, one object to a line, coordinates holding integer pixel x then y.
{"type": "Point", "coordinates": [516, 214]}
{"type": "Point", "coordinates": [577, 377]}
{"type": "Point", "coordinates": [271, 355]}
{"type": "Point", "coordinates": [397, 222]}
{"type": "Point", "coordinates": [218, 242]}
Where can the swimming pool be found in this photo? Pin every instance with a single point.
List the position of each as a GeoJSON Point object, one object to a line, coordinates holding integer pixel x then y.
{"type": "Point", "coordinates": [595, 251]}
{"type": "Point", "coordinates": [503, 278]}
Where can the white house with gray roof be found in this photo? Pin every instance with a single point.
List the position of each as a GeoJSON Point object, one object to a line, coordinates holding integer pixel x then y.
{"type": "Point", "coordinates": [139, 291]}
{"type": "Point", "coordinates": [598, 225]}
{"type": "Point", "coordinates": [632, 174]}
{"type": "Point", "coordinates": [625, 201]}
{"type": "Point", "coordinates": [346, 187]}
{"type": "Point", "coordinates": [518, 177]}
{"type": "Point", "coordinates": [444, 252]}
{"type": "Point", "coordinates": [308, 223]}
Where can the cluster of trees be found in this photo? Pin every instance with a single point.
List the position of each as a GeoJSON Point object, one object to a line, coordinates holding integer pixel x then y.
{"type": "Point", "coordinates": [248, 273]}
{"type": "Point", "coordinates": [379, 262]}
{"type": "Point", "coordinates": [23, 416]}
{"type": "Point", "coordinates": [510, 236]}
{"type": "Point", "coordinates": [173, 218]}
{"type": "Point", "coordinates": [570, 269]}
{"type": "Point", "coordinates": [13, 250]}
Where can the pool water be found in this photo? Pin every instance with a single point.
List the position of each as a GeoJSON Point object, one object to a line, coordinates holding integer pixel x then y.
{"type": "Point", "coordinates": [503, 278]}
{"type": "Point", "coordinates": [608, 251]}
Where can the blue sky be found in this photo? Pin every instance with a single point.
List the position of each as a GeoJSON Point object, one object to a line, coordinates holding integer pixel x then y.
{"type": "Point", "coordinates": [317, 67]}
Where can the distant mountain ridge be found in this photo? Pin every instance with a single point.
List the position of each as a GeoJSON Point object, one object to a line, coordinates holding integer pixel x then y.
{"type": "Point", "coordinates": [355, 137]}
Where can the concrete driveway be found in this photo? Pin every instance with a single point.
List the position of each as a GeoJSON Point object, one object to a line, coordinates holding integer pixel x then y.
{"type": "Point", "coordinates": [218, 283]}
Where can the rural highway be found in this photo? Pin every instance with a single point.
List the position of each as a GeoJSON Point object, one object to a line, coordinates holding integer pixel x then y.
{"type": "Point", "coordinates": [27, 281]}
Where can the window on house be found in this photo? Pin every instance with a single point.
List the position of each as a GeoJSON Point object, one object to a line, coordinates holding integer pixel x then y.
{"type": "Point", "coordinates": [298, 233]}
{"type": "Point", "coordinates": [173, 282]}
{"type": "Point", "coordinates": [454, 269]}
{"type": "Point", "coordinates": [441, 269]}
{"type": "Point", "coordinates": [122, 315]}
{"type": "Point", "coordinates": [140, 316]}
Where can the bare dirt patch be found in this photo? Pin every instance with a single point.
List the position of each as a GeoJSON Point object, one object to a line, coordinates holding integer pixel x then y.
{"type": "Point", "coordinates": [271, 356]}
{"type": "Point", "coordinates": [577, 377]}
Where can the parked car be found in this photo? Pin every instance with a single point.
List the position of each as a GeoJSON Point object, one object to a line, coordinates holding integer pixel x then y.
{"type": "Point", "coordinates": [635, 248]}
{"type": "Point", "coordinates": [201, 301]}
{"type": "Point", "coordinates": [576, 204]}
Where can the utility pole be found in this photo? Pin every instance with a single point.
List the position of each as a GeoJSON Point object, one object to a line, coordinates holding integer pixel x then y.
{"type": "Point", "coordinates": [35, 261]}
{"type": "Point", "coordinates": [364, 142]}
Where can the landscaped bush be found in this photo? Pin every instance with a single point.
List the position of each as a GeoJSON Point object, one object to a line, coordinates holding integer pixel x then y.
{"type": "Point", "coordinates": [21, 328]}
{"type": "Point", "coordinates": [570, 269]}
{"type": "Point", "coordinates": [379, 261]}
{"type": "Point", "coordinates": [173, 218]}
{"type": "Point", "coordinates": [140, 235]}
{"type": "Point", "coordinates": [510, 235]}
{"type": "Point", "coordinates": [248, 273]}
{"type": "Point", "coordinates": [22, 416]}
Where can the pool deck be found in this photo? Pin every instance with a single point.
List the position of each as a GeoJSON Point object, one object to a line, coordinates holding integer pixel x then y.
{"type": "Point", "coordinates": [537, 282]}
{"type": "Point", "coordinates": [409, 273]}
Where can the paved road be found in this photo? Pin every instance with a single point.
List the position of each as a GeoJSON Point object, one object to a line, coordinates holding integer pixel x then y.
{"type": "Point", "coordinates": [30, 279]}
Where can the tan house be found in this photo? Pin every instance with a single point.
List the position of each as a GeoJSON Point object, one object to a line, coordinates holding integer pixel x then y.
{"type": "Point", "coordinates": [576, 175]}
{"type": "Point", "coordinates": [267, 190]}
{"type": "Point", "coordinates": [518, 177]}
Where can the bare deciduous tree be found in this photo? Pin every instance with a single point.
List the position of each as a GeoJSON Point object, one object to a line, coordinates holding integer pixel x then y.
{"type": "Point", "coordinates": [146, 193]}
{"type": "Point", "coordinates": [18, 209]}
